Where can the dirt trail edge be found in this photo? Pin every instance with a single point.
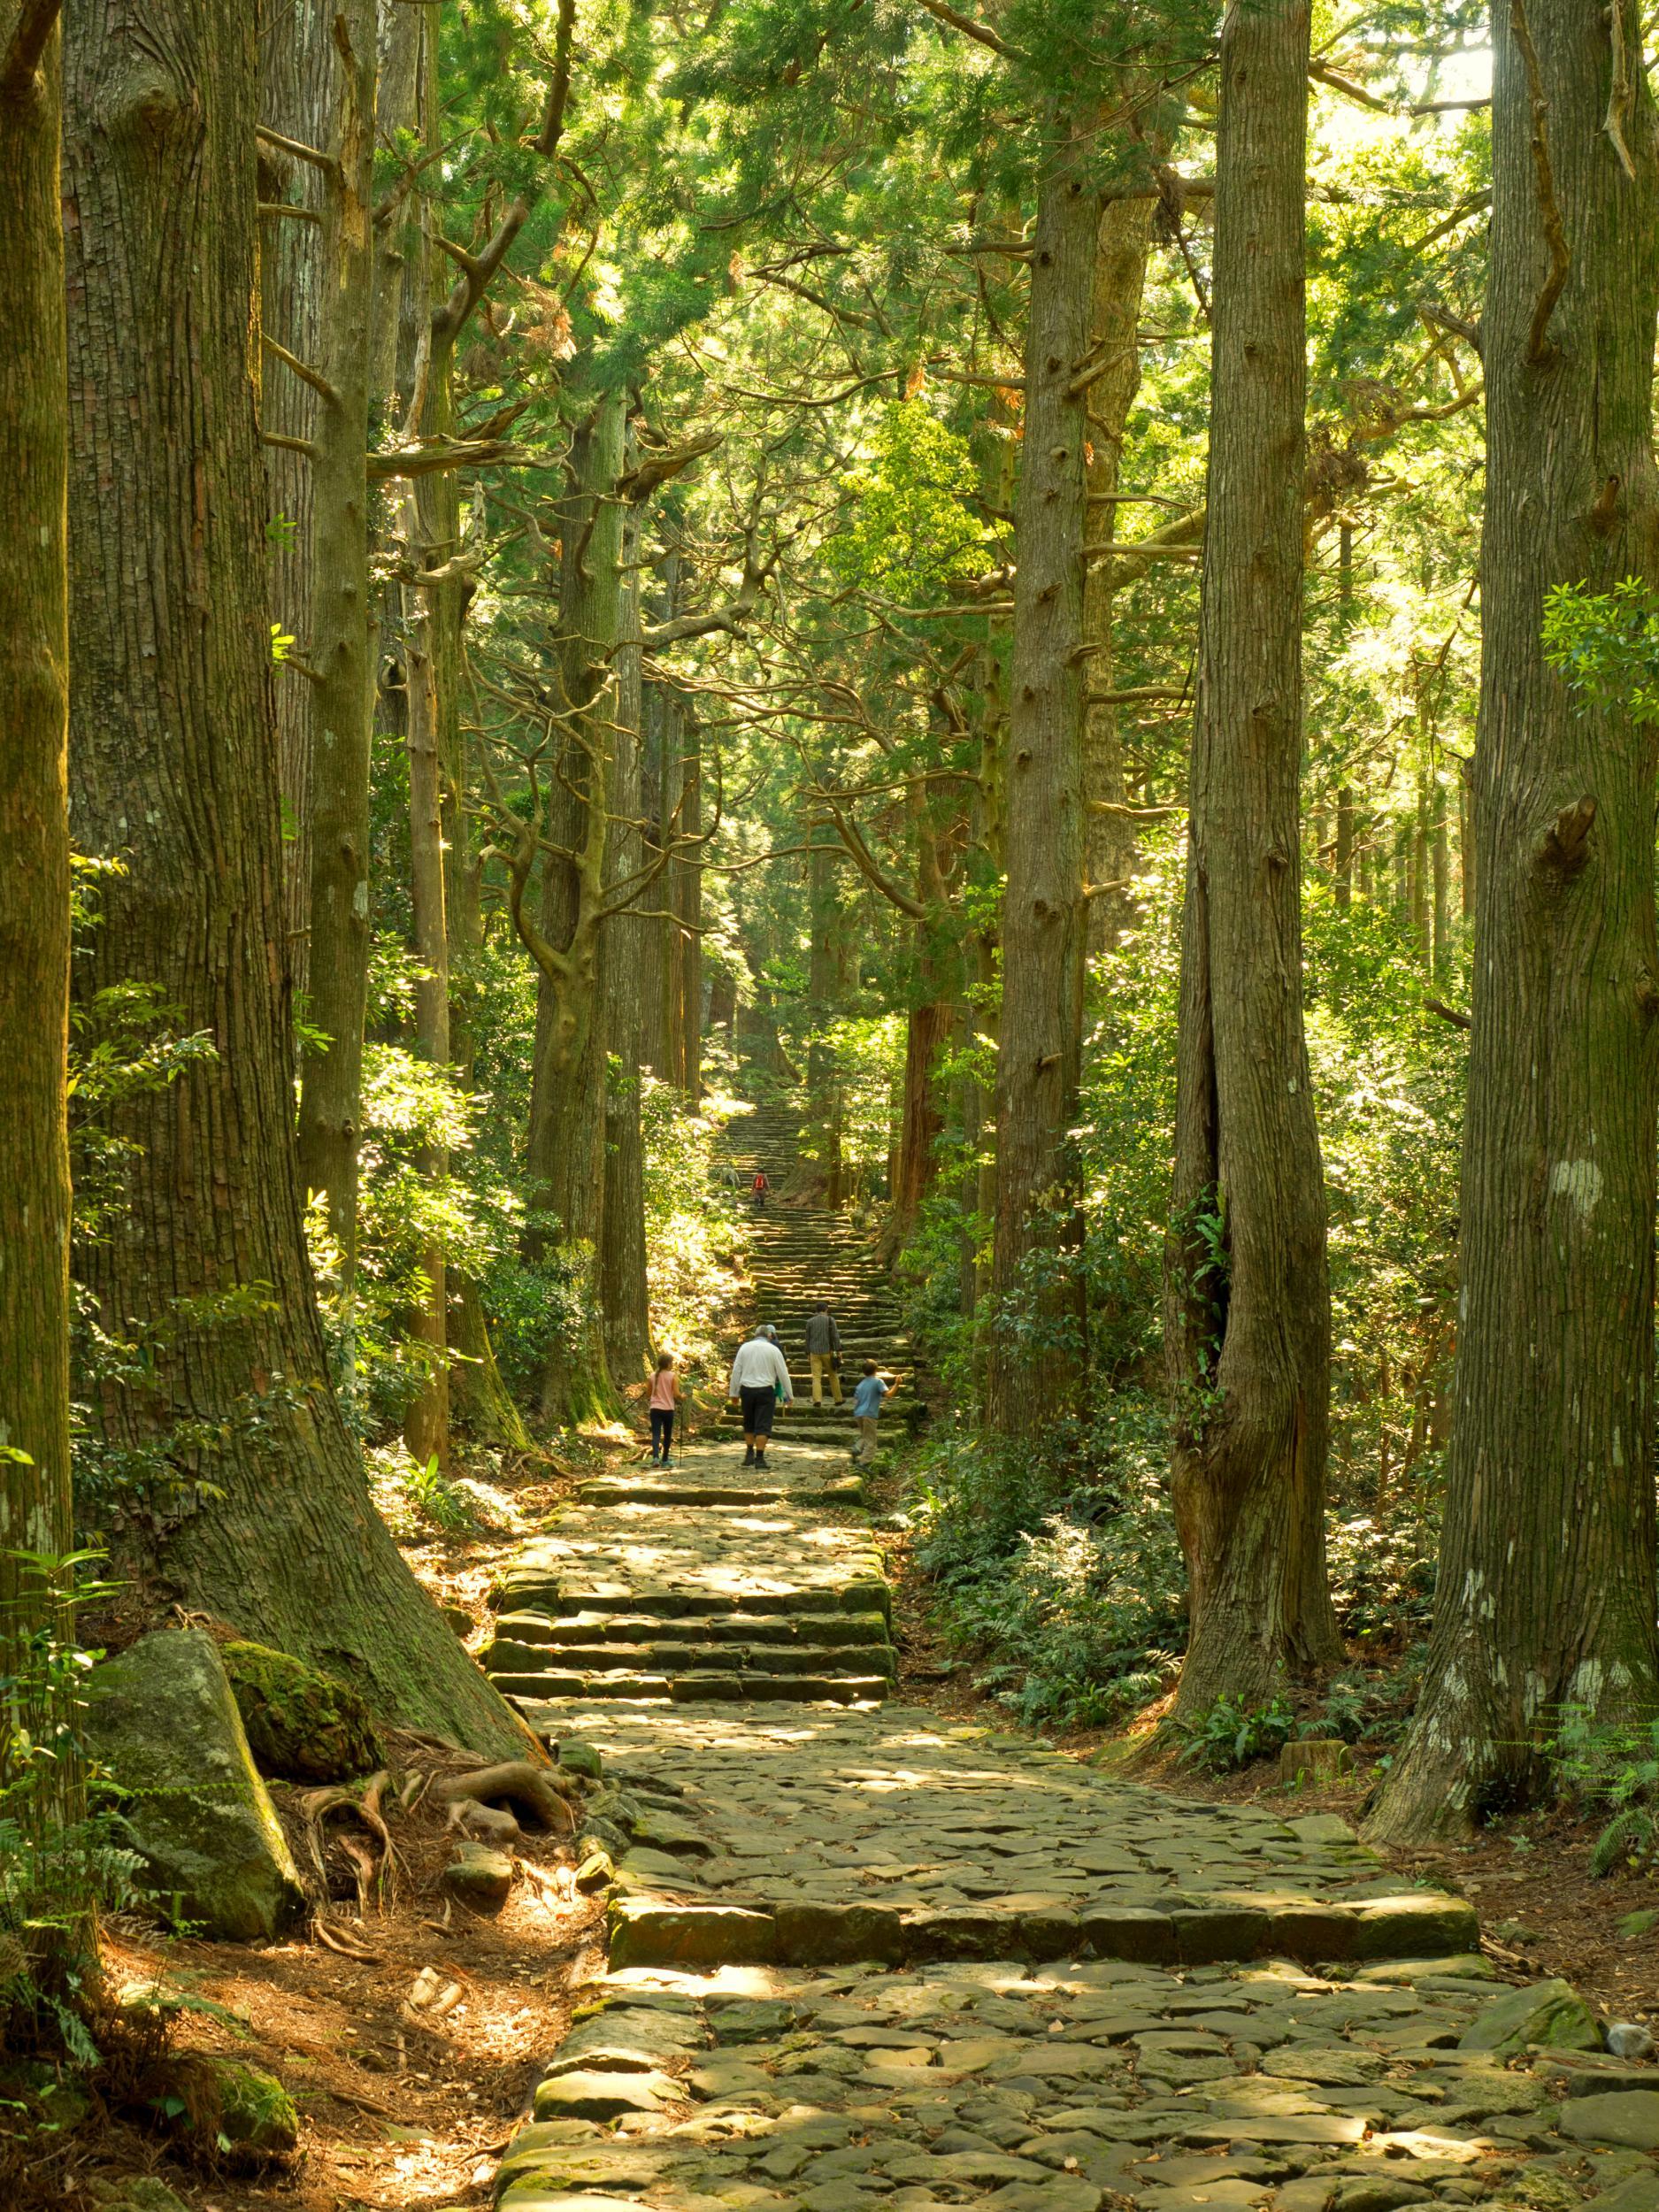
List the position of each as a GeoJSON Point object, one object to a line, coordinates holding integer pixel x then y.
{"type": "Point", "coordinates": [859, 1953]}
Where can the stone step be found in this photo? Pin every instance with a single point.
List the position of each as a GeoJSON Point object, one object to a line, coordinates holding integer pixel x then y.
{"type": "Point", "coordinates": [656, 1932]}
{"type": "Point", "coordinates": [646, 1490]}
{"type": "Point", "coordinates": [530, 1630]}
{"type": "Point", "coordinates": [675, 1657]}
{"type": "Point", "coordinates": [698, 1686]}
{"type": "Point", "coordinates": [570, 1596]}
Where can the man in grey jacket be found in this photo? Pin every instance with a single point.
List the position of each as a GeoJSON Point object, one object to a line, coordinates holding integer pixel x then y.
{"type": "Point", "coordinates": [823, 1352]}
{"type": "Point", "coordinates": [760, 1382]}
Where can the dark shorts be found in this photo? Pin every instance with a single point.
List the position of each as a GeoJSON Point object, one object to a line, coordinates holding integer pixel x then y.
{"type": "Point", "coordinates": [759, 1404]}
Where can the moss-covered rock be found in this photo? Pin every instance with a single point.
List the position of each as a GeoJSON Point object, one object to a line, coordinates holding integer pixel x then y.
{"type": "Point", "coordinates": [302, 1724]}
{"type": "Point", "coordinates": [162, 1722]}
{"type": "Point", "coordinates": [257, 2118]}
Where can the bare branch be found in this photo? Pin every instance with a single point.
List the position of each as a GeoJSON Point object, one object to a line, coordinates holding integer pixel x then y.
{"type": "Point", "coordinates": [300, 151]}
{"type": "Point", "coordinates": [326, 391]}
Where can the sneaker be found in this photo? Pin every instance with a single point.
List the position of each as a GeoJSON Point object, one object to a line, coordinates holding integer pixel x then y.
{"type": "Point", "coordinates": [748, 1456]}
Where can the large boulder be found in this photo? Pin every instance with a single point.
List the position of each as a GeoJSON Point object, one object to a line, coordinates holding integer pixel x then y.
{"type": "Point", "coordinates": [302, 1724]}
{"type": "Point", "coordinates": [162, 1722]}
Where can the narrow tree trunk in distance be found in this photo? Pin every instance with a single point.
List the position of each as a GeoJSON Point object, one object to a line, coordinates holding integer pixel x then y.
{"type": "Point", "coordinates": [172, 766]}
{"type": "Point", "coordinates": [723, 1003]}
{"type": "Point", "coordinates": [1344, 850]}
{"type": "Point", "coordinates": [296, 75]}
{"type": "Point", "coordinates": [35, 1512]}
{"type": "Point", "coordinates": [564, 1157]}
{"type": "Point", "coordinates": [826, 990]}
{"type": "Point", "coordinates": [1247, 1301]}
{"type": "Point", "coordinates": [338, 646]}
{"type": "Point", "coordinates": [688, 905]}
{"type": "Point", "coordinates": [937, 991]}
{"type": "Point", "coordinates": [623, 1294]}
{"type": "Point", "coordinates": [1120, 276]}
{"type": "Point", "coordinates": [1546, 1580]}
{"type": "Point", "coordinates": [1032, 1376]}
{"type": "Point", "coordinates": [1440, 877]}
{"type": "Point", "coordinates": [1419, 875]}
{"type": "Point", "coordinates": [427, 1423]}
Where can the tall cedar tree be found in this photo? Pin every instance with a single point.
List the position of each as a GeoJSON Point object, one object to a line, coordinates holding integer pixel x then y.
{"type": "Point", "coordinates": [1547, 1566]}
{"type": "Point", "coordinates": [1248, 1304]}
{"type": "Point", "coordinates": [1032, 1381]}
{"type": "Point", "coordinates": [173, 767]}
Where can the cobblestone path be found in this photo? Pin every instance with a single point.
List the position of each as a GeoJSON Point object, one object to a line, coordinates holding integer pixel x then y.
{"type": "Point", "coordinates": [860, 1956]}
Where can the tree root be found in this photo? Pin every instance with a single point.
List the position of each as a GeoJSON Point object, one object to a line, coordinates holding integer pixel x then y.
{"type": "Point", "coordinates": [373, 1864]}
{"type": "Point", "coordinates": [543, 1793]}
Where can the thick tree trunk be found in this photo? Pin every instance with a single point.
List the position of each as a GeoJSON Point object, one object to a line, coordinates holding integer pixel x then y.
{"type": "Point", "coordinates": [247, 1494]}
{"type": "Point", "coordinates": [1546, 1567]}
{"type": "Point", "coordinates": [337, 645]}
{"type": "Point", "coordinates": [1247, 1301]}
{"type": "Point", "coordinates": [35, 1513]}
{"type": "Point", "coordinates": [623, 1294]}
{"type": "Point", "coordinates": [1034, 1372]}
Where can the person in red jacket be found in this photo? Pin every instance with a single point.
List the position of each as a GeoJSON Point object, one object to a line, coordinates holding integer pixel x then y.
{"type": "Point", "coordinates": [760, 1188]}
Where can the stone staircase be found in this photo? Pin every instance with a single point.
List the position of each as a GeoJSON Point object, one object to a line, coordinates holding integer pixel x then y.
{"type": "Point", "coordinates": [800, 1255]}
{"type": "Point", "coordinates": [705, 1583]}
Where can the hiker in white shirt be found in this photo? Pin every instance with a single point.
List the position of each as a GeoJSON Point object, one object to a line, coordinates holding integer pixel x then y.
{"type": "Point", "coordinates": [760, 1380]}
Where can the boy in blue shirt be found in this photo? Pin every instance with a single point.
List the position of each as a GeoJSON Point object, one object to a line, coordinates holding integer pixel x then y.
{"type": "Point", "coordinates": [867, 1409]}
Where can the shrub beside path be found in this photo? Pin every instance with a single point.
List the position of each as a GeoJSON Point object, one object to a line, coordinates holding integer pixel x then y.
{"type": "Point", "coordinates": [860, 1954]}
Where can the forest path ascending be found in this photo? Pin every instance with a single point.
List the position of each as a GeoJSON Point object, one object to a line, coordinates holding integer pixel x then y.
{"type": "Point", "coordinates": [707, 1580]}
{"type": "Point", "coordinates": [858, 1952]}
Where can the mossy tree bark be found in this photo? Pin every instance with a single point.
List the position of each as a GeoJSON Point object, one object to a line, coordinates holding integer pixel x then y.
{"type": "Point", "coordinates": [1247, 1298]}
{"type": "Point", "coordinates": [35, 1511]}
{"type": "Point", "coordinates": [252, 1504]}
{"type": "Point", "coordinates": [1547, 1566]}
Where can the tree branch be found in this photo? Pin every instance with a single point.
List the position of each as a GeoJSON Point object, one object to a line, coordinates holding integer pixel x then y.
{"type": "Point", "coordinates": [981, 33]}
{"type": "Point", "coordinates": [29, 34]}
{"type": "Point", "coordinates": [479, 271]}
{"type": "Point", "coordinates": [326, 391]}
{"type": "Point", "coordinates": [1538, 346]}
{"type": "Point", "coordinates": [300, 151]}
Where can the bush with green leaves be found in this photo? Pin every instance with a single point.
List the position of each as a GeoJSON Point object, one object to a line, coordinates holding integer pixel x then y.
{"type": "Point", "coordinates": [1613, 1768]}
{"type": "Point", "coordinates": [1074, 1613]}
{"type": "Point", "coordinates": [1229, 1734]}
